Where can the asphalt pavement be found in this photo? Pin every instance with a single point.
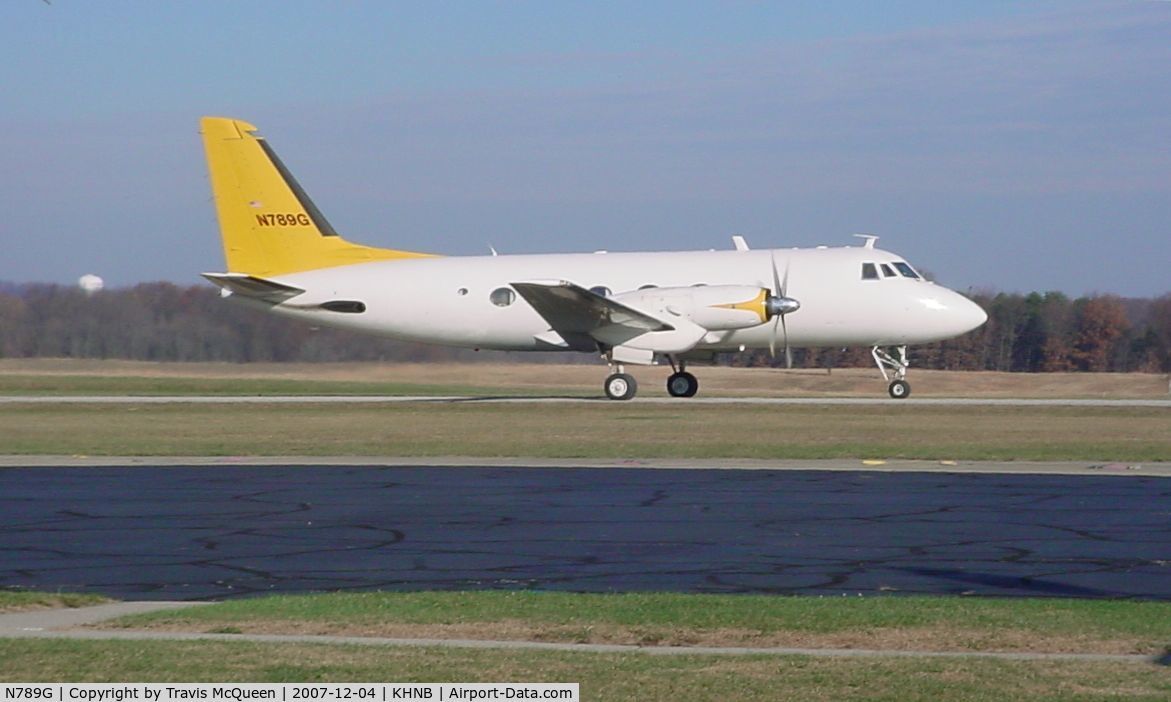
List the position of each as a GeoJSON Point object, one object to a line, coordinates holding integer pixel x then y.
{"type": "Point", "coordinates": [221, 531]}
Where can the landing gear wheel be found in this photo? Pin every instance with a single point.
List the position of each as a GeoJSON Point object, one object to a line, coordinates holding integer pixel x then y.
{"type": "Point", "coordinates": [620, 386]}
{"type": "Point", "coordinates": [682, 384]}
{"type": "Point", "coordinates": [899, 389]}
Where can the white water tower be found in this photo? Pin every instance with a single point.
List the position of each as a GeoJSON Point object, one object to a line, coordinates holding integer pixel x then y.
{"type": "Point", "coordinates": [90, 283]}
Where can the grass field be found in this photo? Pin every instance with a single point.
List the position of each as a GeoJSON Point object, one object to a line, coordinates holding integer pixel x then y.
{"type": "Point", "coordinates": [19, 601]}
{"type": "Point", "coordinates": [653, 619]}
{"type": "Point", "coordinates": [610, 677]}
{"type": "Point", "coordinates": [899, 623]}
{"type": "Point", "coordinates": [66, 376]}
{"type": "Point", "coordinates": [575, 430]}
{"type": "Point", "coordinates": [591, 430]}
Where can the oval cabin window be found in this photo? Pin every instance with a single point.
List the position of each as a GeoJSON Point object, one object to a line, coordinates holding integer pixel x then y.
{"type": "Point", "coordinates": [502, 297]}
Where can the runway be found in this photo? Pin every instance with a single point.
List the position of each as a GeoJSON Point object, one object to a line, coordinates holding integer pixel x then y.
{"type": "Point", "coordinates": [489, 400]}
{"type": "Point", "coordinates": [214, 532]}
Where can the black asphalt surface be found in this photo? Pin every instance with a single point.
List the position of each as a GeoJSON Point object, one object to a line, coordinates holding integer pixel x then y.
{"type": "Point", "coordinates": [219, 532]}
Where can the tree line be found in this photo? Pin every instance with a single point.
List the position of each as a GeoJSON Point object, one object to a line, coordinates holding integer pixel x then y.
{"type": "Point", "coordinates": [1034, 332]}
{"type": "Point", "coordinates": [166, 322]}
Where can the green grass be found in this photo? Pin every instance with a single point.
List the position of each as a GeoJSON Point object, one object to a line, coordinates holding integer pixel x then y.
{"type": "Point", "coordinates": [17, 600]}
{"type": "Point", "coordinates": [611, 677]}
{"type": "Point", "coordinates": [912, 622]}
{"type": "Point", "coordinates": [591, 430]}
{"type": "Point", "coordinates": [630, 676]}
{"type": "Point", "coordinates": [57, 385]}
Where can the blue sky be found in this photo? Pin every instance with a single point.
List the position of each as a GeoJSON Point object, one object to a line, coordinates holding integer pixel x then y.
{"type": "Point", "coordinates": [1000, 145]}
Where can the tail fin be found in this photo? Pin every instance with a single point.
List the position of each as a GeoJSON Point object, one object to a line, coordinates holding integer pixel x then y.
{"type": "Point", "coordinates": [268, 223]}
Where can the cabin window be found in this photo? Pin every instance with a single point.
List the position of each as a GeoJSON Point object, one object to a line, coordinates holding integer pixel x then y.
{"type": "Point", "coordinates": [888, 272]}
{"type": "Point", "coordinates": [502, 297]}
{"type": "Point", "coordinates": [906, 270]}
{"type": "Point", "coordinates": [461, 292]}
{"type": "Point", "coordinates": [600, 290]}
{"type": "Point", "coordinates": [869, 271]}
{"type": "Point", "coordinates": [648, 286]}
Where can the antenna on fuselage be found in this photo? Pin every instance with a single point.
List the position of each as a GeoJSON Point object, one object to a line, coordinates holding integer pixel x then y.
{"type": "Point", "coordinates": [870, 239]}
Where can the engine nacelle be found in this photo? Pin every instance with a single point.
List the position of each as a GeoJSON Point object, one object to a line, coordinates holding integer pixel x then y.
{"type": "Point", "coordinates": [713, 307]}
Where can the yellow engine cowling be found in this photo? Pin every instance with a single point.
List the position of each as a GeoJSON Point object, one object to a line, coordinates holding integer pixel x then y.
{"type": "Point", "coordinates": [713, 307]}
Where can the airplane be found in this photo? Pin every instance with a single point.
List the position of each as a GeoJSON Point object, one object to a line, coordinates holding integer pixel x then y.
{"type": "Point", "coordinates": [639, 308]}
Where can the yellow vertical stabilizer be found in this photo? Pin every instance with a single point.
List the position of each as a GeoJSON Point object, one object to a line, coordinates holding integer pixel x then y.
{"type": "Point", "coordinates": [268, 223]}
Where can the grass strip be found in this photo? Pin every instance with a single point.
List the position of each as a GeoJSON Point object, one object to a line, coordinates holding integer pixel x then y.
{"type": "Point", "coordinates": [900, 622]}
{"type": "Point", "coordinates": [21, 600]}
{"type": "Point", "coordinates": [79, 377]}
{"type": "Point", "coordinates": [592, 430]}
{"type": "Point", "coordinates": [52, 385]}
{"type": "Point", "coordinates": [614, 677]}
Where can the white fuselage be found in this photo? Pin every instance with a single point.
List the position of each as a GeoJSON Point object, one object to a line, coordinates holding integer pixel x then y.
{"type": "Point", "coordinates": [448, 300]}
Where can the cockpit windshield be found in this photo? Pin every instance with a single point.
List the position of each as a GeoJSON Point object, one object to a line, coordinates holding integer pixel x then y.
{"type": "Point", "coordinates": [906, 269]}
{"type": "Point", "coordinates": [894, 269]}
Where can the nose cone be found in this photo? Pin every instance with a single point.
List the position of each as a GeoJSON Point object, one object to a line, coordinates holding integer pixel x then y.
{"type": "Point", "coordinates": [946, 314]}
{"type": "Point", "coordinates": [969, 315]}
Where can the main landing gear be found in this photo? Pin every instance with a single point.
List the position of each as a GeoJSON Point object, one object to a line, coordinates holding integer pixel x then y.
{"type": "Point", "coordinates": [899, 388]}
{"type": "Point", "coordinates": [620, 385]}
{"type": "Point", "coordinates": [681, 383]}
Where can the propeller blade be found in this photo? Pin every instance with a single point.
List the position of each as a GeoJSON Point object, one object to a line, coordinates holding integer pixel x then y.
{"type": "Point", "coordinates": [788, 351]}
{"type": "Point", "coordinates": [780, 304]}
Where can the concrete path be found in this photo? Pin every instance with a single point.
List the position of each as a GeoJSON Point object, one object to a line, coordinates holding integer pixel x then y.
{"type": "Point", "coordinates": [73, 623]}
{"type": "Point", "coordinates": [41, 621]}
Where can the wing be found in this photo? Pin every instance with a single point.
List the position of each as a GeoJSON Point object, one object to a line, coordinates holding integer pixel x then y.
{"type": "Point", "coordinates": [582, 317]}
{"type": "Point", "coordinates": [584, 320]}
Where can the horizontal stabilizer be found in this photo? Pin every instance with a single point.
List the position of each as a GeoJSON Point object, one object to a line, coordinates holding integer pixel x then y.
{"type": "Point", "coordinates": [253, 287]}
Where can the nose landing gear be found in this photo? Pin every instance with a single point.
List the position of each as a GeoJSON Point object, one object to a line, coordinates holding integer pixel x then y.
{"type": "Point", "coordinates": [899, 388]}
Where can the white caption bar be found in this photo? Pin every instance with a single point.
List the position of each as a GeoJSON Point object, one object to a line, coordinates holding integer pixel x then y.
{"type": "Point", "coordinates": [285, 692]}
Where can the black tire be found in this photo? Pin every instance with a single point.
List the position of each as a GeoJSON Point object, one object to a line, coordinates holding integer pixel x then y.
{"type": "Point", "coordinates": [900, 389]}
{"type": "Point", "coordinates": [682, 384]}
{"type": "Point", "coordinates": [620, 386]}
